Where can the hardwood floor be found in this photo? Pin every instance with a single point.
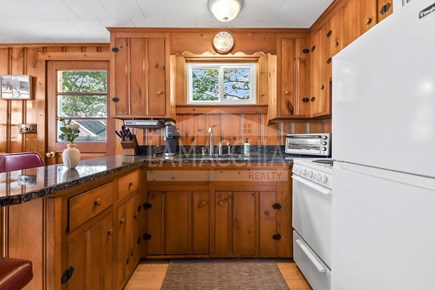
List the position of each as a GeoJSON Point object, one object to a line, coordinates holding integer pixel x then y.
{"type": "Point", "coordinates": [149, 275]}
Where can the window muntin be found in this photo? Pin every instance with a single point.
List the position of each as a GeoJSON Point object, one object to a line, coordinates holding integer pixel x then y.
{"type": "Point", "coordinates": [82, 99]}
{"type": "Point", "coordinates": [229, 83]}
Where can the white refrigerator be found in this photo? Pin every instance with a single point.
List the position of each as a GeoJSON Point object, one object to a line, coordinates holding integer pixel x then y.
{"type": "Point", "coordinates": [383, 106]}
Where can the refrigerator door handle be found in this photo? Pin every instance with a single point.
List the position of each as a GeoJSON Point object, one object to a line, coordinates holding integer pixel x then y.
{"type": "Point", "coordinates": [310, 256]}
{"type": "Point", "coordinates": [314, 186]}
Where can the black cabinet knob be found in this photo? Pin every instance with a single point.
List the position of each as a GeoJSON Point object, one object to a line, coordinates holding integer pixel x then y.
{"type": "Point", "coordinates": [305, 50]}
{"type": "Point", "coordinates": [329, 60]}
{"type": "Point", "coordinates": [115, 49]}
{"type": "Point", "coordinates": [329, 33]}
{"type": "Point", "coordinates": [313, 99]}
{"type": "Point", "coordinates": [115, 99]}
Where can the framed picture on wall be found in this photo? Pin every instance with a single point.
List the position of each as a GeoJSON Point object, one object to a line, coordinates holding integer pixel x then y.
{"type": "Point", "coordinates": [16, 87]}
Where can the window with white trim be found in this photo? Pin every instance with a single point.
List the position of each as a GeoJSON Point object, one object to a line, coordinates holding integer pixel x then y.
{"type": "Point", "coordinates": [221, 83]}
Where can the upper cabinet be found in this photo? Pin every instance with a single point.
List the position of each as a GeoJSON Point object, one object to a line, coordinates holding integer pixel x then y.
{"type": "Point", "coordinates": [291, 100]}
{"type": "Point", "coordinates": [320, 103]}
{"type": "Point", "coordinates": [368, 15]}
{"type": "Point", "coordinates": [140, 70]}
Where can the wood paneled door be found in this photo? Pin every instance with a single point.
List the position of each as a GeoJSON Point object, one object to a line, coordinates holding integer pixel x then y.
{"type": "Point", "coordinates": [78, 93]}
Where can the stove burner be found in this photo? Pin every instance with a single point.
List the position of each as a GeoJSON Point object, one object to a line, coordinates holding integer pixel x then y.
{"type": "Point", "coordinates": [329, 162]}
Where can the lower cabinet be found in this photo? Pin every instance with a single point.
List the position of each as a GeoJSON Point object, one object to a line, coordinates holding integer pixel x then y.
{"type": "Point", "coordinates": [246, 223]}
{"type": "Point", "coordinates": [220, 213]}
{"type": "Point", "coordinates": [178, 221]}
{"type": "Point", "coordinates": [90, 257]}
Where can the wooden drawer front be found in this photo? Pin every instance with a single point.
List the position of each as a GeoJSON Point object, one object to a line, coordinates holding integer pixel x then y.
{"type": "Point", "coordinates": [128, 184]}
{"type": "Point", "coordinates": [85, 206]}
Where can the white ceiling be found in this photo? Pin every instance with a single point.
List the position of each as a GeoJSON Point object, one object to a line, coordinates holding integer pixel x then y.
{"type": "Point", "coordinates": [81, 21]}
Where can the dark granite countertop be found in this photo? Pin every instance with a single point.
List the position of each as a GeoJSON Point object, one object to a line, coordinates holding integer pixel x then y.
{"type": "Point", "coordinates": [24, 185]}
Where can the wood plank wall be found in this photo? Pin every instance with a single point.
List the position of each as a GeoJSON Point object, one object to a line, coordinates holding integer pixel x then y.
{"type": "Point", "coordinates": [26, 60]}
{"type": "Point", "coordinates": [233, 128]}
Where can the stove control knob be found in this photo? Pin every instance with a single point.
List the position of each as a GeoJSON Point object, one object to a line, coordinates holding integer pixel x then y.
{"type": "Point", "coordinates": [324, 179]}
{"type": "Point", "coordinates": [319, 177]}
{"type": "Point", "coordinates": [324, 143]}
{"type": "Point", "coordinates": [310, 174]}
{"type": "Point", "coordinates": [323, 148]}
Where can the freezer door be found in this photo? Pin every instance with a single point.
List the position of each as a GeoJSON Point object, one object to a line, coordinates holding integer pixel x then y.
{"type": "Point", "coordinates": [383, 98]}
{"type": "Point", "coordinates": [383, 230]}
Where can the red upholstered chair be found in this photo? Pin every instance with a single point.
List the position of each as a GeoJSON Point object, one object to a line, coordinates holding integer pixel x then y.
{"type": "Point", "coordinates": [14, 273]}
{"type": "Point", "coordinates": [17, 161]}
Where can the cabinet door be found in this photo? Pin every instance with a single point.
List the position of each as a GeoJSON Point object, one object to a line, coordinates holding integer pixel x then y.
{"type": "Point", "coordinates": [90, 254]}
{"type": "Point", "coordinates": [368, 15]}
{"type": "Point", "coordinates": [335, 33]}
{"type": "Point", "coordinates": [385, 9]}
{"type": "Point", "coordinates": [177, 221]}
{"type": "Point", "coordinates": [244, 223]}
{"type": "Point", "coordinates": [136, 236]}
{"type": "Point", "coordinates": [350, 22]}
{"type": "Point", "coordinates": [140, 77]}
{"type": "Point", "coordinates": [320, 101]}
{"type": "Point", "coordinates": [121, 247]}
{"type": "Point", "coordinates": [287, 90]}
{"type": "Point", "coordinates": [267, 226]}
{"type": "Point", "coordinates": [121, 96]}
{"type": "Point", "coordinates": [201, 223]}
{"type": "Point", "coordinates": [292, 89]}
{"type": "Point", "coordinates": [156, 77]}
{"type": "Point", "coordinates": [223, 220]}
{"type": "Point", "coordinates": [154, 242]}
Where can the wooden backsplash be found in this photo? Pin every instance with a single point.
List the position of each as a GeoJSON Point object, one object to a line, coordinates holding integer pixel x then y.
{"type": "Point", "coordinates": [233, 128]}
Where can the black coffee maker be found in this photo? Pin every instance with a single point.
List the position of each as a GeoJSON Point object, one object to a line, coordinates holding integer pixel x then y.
{"type": "Point", "coordinates": [171, 138]}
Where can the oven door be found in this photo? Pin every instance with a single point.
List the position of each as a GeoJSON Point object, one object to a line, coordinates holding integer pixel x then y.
{"type": "Point", "coordinates": [312, 205]}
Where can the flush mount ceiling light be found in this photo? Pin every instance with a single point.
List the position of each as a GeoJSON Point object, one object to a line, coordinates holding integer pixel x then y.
{"type": "Point", "coordinates": [225, 10]}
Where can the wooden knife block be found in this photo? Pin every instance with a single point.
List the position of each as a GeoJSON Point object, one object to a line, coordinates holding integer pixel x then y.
{"type": "Point", "coordinates": [130, 147]}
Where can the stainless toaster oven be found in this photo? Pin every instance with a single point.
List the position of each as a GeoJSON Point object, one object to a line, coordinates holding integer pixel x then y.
{"type": "Point", "coordinates": [308, 144]}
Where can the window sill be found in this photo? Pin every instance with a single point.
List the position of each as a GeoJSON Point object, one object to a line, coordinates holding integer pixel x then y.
{"type": "Point", "coordinates": [220, 109]}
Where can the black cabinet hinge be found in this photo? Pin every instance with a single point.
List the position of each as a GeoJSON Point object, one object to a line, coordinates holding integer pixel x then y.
{"type": "Point", "coordinates": [276, 206]}
{"type": "Point", "coordinates": [115, 49]}
{"type": "Point", "coordinates": [147, 237]}
{"type": "Point", "coordinates": [147, 205]}
{"type": "Point", "coordinates": [67, 274]}
{"type": "Point", "coordinates": [306, 50]}
{"type": "Point", "coordinates": [276, 237]}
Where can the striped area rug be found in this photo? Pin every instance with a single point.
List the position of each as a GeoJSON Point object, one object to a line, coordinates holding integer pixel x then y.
{"type": "Point", "coordinates": [223, 274]}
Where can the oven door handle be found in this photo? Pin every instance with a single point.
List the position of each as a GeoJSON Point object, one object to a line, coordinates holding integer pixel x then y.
{"type": "Point", "coordinates": [313, 185]}
{"type": "Point", "coordinates": [310, 256]}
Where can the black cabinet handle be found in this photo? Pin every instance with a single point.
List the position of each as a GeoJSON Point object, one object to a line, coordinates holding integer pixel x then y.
{"type": "Point", "coordinates": [115, 49]}
{"type": "Point", "coordinates": [276, 206]}
{"type": "Point", "coordinates": [385, 8]}
{"type": "Point", "coordinates": [147, 205]}
{"type": "Point", "coordinates": [313, 99]}
{"type": "Point", "coordinates": [305, 50]}
{"type": "Point", "coordinates": [67, 274]}
{"type": "Point", "coordinates": [313, 48]}
{"type": "Point", "coordinates": [276, 237]}
{"type": "Point", "coordinates": [115, 99]}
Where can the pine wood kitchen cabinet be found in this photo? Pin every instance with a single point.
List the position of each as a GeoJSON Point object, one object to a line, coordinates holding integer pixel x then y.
{"type": "Point", "coordinates": [291, 98]}
{"type": "Point", "coordinates": [320, 100]}
{"type": "Point", "coordinates": [219, 212]}
{"type": "Point", "coordinates": [367, 16]}
{"type": "Point", "coordinates": [178, 220]}
{"type": "Point", "coordinates": [140, 70]}
{"type": "Point", "coordinates": [128, 250]}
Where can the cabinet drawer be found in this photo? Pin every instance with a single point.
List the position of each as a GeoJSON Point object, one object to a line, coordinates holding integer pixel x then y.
{"type": "Point", "coordinates": [85, 206]}
{"type": "Point", "coordinates": [128, 184]}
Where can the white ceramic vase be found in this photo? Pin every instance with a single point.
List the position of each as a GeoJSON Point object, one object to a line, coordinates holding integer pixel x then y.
{"type": "Point", "coordinates": [71, 156]}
